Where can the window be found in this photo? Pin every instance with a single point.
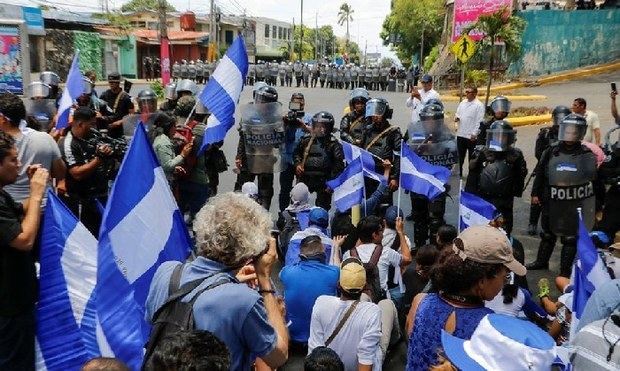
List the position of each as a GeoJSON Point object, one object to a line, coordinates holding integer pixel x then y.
{"type": "Point", "coordinates": [274, 32]}
{"type": "Point", "coordinates": [280, 33]}
{"type": "Point", "coordinates": [267, 31]}
{"type": "Point", "coordinates": [228, 36]}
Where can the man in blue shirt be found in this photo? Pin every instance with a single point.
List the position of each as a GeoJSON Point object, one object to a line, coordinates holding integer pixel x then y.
{"type": "Point", "coordinates": [317, 226]}
{"type": "Point", "coordinates": [304, 282]}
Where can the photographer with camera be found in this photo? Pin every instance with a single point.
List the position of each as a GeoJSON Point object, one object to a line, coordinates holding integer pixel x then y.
{"type": "Point", "coordinates": [295, 125]}
{"type": "Point", "coordinates": [88, 163]}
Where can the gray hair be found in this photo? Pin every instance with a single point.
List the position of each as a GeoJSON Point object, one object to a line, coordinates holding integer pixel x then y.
{"type": "Point", "coordinates": [232, 229]}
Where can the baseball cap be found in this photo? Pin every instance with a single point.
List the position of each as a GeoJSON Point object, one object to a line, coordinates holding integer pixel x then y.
{"type": "Point", "coordinates": [426, 78]}
{"type": "Point", "coordinates": [486, 244]}
{"type": "Point", "coordinates": [114, 77]}
{"type": "Point", "coordinates": [391, 213]}
{"type": "Point", "coordinates": [249, 189]}
{"type": "Point", "coordinates": [494, 343]}
{"type": "Point", "coordinates": [352, 275]}
{"type": "Point", "coordinates": [319, 216]}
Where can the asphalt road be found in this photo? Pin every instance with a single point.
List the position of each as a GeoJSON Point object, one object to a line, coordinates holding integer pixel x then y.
{"type": "Point", "coordinates": [594, 89]}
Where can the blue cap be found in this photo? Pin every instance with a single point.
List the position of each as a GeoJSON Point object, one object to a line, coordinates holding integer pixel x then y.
{"type": "Point", "coordinates": [426, 78]}
{"type": "Point", "coordinates": [319, 216]}
{"type": "Point", "coordinates": [391, 213]}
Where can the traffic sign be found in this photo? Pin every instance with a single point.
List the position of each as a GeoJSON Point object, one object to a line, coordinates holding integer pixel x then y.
{"type": "Point", "coordinates": [464, 48]}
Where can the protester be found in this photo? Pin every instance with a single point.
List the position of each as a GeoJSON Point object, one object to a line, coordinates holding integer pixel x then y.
{"type": "Point", "coordinates": [392, 240]}
{"type": "Point", "coordinates": [469, 115]}
{"type": "Point", "coordinates": [165, 128]}
{"type": "Point", "coordinates": [419, 98]}
{"type": "Point", "coordinates": [417, 275]}
{"type": "Point", "coordinates": [19, 225]}
{"type": "Point", "coordinates": [445, 236]}
{"type": "Point", "coordinates": [305, 281]}
{"type": "Point", "coordinates": [472, 271]}
{"type": "Point", "coordinates": [604, 300]}
{"type": "Point", "coordinates": [593, 131]}
{"type": "Point", "coordinates": [318, 221]}
{"type": "Point", "coordinates": [190, 350]}
{"type": "Point", "coordinates": [349, 326]}
{"type": "Point", "coordinates": [232, 232]}
{"type": "Point", "coordinates": [323, 359]}
{"type": "Point", "coordinates": [104, 364]}
{"type": "Point", "coordinates": [596, 345]}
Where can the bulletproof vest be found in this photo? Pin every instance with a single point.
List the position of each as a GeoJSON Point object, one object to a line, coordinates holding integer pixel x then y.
{"type": "Point", "coordinates": [570, 178]}
{"type": "Point", "coordinates": [382, 147]}
{"type": "Point", "coordinates": [199, 69]}
{"type": "Point", "coordinates": [317, 162]}
{"type": "Point", "coordinates": [355, 125]}
{"type": "Point", "coordinates": [191, 70]}
{"type": "Point", "coordinates": [497, 176]}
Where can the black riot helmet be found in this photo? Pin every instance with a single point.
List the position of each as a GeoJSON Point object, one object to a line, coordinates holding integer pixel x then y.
{"type": "Point", "coordinates": [432, 119]}
{"type": "Point", "coordinates": [500, 136]}
{"type": "Point", "coordinates": [572, 128]}
{"type": "Point", "coordinates": [257, 85]}
{"type": "Point", "coordinates": [147, 101]}
{"type": "Point", "coordinates": [297, 103]}
{"type": "Point", "coordinates": [379, 107]}
{"type": "Point", "coordinates": [322, 124]}
{"type": "Point", "coordinates": [559, 113]}
{"type": "Point", "coordinates": [500, 106]}
{"type": "Point", "coordinates": [266, 94]}
{"type": "Point", "coordinates": [358, 95]}
{"type": "Point", "coordinates": [435, 101]}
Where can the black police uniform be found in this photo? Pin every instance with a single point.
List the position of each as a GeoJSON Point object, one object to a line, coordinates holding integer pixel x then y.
{"type": "Point", "coordinates": [383, 141]}
{"type": "Point", "coordinates": [352, 127]}
{"type": "Point", "coordinates": [322, 159]}
{"type": "Point", "coordinates": [118, 106]}
{"type": "Point", "coordinates": [546, 137]}
{"type": "Point", "coordinates": [609, 173]}
{"type": "Point", "coordinates": [498, 177]}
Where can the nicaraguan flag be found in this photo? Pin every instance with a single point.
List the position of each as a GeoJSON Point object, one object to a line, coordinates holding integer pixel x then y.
{"type": "Point", "coordinates": [222, 92]}
{"type": "Point", "coordinates": [351, 152]}
{"type": "Point", "coordinates": [589, 273]}
{"type": "Point", "coordinates": [348, 186]}
{"type": "Point", "coordinates": [418, 176]}
{"type": "Point", "coordinates": [65, 310]}
{"type": "Point", "coordinates": [142, 227]}
{"type": "Point", "coordinates": [73, 89]}
{"type": "Point", "coordinates": [474, 210]}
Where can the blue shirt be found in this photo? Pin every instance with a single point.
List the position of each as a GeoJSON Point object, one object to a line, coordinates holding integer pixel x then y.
{"type": "Point", "coordinates": [294, 245]}
{"type": "Point", "coordinates": [602, 303]}
{"type": "Point", "coordinates": [303, 283]}
{"type": "Point", "coordinates": [233, 312]}
{"type": "Point", "coordinates": [292, 137]}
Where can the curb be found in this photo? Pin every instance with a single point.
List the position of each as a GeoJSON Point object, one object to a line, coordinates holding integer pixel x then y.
{"type": "Point", "coordinates": [529, 120]}
{"type": "Point", "coordinates": [452, 98]}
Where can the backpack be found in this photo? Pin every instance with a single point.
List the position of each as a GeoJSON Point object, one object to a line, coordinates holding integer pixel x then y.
{"type": "Point", "coordinates": [291, 226]}
{"type": "Point", "coordinates": [373, 282]}
{"type": "Point", "coordinates": [175, 315]}
{"type": "Point", "coordinates": [391, 270]}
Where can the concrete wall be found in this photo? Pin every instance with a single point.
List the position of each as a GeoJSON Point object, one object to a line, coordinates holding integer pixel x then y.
{"type": "Point", "coordinates": [556, 40]}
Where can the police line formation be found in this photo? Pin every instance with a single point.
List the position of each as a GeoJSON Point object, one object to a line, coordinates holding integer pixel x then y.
{"type": "Point", "coordinates": [306, 148]}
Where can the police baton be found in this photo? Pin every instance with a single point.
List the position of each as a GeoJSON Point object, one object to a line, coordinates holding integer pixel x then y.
{"type": "Point", "coordinates": [529, 179]}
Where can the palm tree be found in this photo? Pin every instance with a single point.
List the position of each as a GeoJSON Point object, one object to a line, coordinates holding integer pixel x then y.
{"type": "Point", "coordinates": [498, 26]}
{"type": "Point", "coordinates": [345, 15]}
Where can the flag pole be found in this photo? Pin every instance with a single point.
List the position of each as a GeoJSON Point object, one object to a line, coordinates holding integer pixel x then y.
{"type": "Point", "coordinates": [191, 113]}
{"type": "Point", "coordinates": [399, 177]}
{"type": "Point", "coordinates": [458, 222]}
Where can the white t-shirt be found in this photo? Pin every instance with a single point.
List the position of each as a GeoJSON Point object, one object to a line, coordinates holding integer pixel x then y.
{"type": "Point", "coordinates": [357, 341]}
{"type": "Point", "coordinates": [513, 309]}
{"type": "Point", "coordinates": [470, 114]}
{"type": "Point", "coordinates": [416, 104]}
{"type": "Point", "coordinates": [389, 235]}
{"type": "Point", "coordinates": [388, 257]}
{"type": "Point", "coordinates": [593, 123]}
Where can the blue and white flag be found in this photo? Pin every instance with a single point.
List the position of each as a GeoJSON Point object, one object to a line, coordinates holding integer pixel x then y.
{"type": "Point", "coordinates": [473, 210]}
{"type": "Point", "coordinates": [222, 92]}
{"type": "Point", "coordinates": [589, 272]}
{"type": "Point", "coordinates": [73, 89]}
{"type": "Point", "coordinates": [418, 176]}
{"type": "Point", "coordinates": [142, 227]}
{"type": "Point", "coordinates": [351, 152]}
{"type": "Point", "coordinates": [348, 186]}
{"type": "Point", "coordinates": [65, 310]}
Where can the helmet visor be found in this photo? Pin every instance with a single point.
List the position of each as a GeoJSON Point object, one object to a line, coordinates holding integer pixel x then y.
{"type": "Point", "coordinates": [171, 92]}
{"type": "Point", "coordinates": [147, 104]}
{"type": "Point", "coordinates": [500, 105]}
{"type": "Point", "coordinates": [38, 90]}
{"type": "Point", "coordinates": [570, 132]}
{"type": "Point", "coordinates": [500, 140]}
{"type": "Point", "coordinates": [558, 117]}
{"type": "Point", "coordinates": [375, 108]}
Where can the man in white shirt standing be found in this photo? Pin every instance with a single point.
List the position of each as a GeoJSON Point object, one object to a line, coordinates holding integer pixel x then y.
{"type": "Point", "coordinates": [593, 131]}
{"type": "Point", "coordinates": [419, 98]}
{"type": "Point", "coordinates": [469, 114]}
{"type": "Point", "coordinates": [352, 328]}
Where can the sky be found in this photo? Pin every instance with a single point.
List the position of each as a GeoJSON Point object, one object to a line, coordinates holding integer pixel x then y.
{"type": "Point", "coordinates": [368, 15]}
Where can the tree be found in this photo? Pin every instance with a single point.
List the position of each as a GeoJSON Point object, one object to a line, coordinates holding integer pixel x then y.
{"type": "Point", "coordinates": [117, 20]}
{"type": "Point", "coordinates": [413, 26]}
{"type": "Point", "coordinates": [345, 15]}
{"type": "Point", "coordinates": [498, 26]}
{"type": "Point", "coordinates": [141, 5]}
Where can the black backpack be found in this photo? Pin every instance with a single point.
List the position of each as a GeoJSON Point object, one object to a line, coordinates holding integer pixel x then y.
{"type": "Point", "coordinates": [289, 228]}
{"type": "Point", "coordinates": [175, 315]}
{"type": "Point", "coordinates": [373, 282]}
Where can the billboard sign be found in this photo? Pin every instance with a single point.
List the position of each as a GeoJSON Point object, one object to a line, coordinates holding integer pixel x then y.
{"type": "Point", "coordinates": [467, 12]}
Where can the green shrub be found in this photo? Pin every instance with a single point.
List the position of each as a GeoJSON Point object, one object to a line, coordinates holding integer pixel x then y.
{"type": "Point", "coordinates": [476, 77]}
{"type": "Point", "coordinates": [431, 58]}
{"type": "Point", "coordinates": [158, 88]}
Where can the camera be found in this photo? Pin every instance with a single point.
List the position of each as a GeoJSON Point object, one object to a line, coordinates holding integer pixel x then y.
{"type": "Point", "coordinates": [98, 138]}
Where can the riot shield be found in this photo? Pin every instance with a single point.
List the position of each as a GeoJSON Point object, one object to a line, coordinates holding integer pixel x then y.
{"type": "Point", "coordinates": [263, 135]}
{"type": "Point", "coordinates": [130, 122]}
{"type": "Point", "coordinates": [42, 110]}
{"type": "Point", "coordinates": [570, 182]}
{"type": "Point", "coordinates": [433, 141]}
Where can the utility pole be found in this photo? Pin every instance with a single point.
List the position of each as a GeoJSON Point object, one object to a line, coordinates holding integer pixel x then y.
{"type": "Point", "coordinates": [164, 51]}
{"type": "Point", "coordinates": [316, 36]}
{"type": "Point", "coordinates": [212, 32]}
{"type": "Point", "coordinates": [301, 38]}
{"type": "Point", "coordinates": [365, 51]}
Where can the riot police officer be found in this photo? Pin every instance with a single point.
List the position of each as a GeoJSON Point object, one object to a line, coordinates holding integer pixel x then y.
{"type": "Point", "coordinates": [609, 173]}
{"type": "Point", "coordinates": [147, 113]}
{"type": "Point", "coordinates": [118, 104]}
{"type": "Point", "coordinates": [546, 137]}
{"type": "Point", "coordinates": [40, 109]}
{"type": "Point", "coordinates": [282, 73]}
{"type": "Point", "coordinates": [382, 140]}
{"type": "Point", "coordinates": [352, 124]}
{"type": "Point", "coordinates": [319, 158]}
{"type": "Point", "coordinates": [53, 80]}
{"type": "Point", "coordinates": [500, 106]}
{"type": "Point", "coordinates": [295, 125]}
{"type": "Point", "coordinates": [297, 70]}
{"type": "Point", "coordinates": [498, 171]}
{"type": "Point", "coordinates": [191, 71]}
{"type": "Point", "coordinates": [261, 139]}
{"type": "Point", "coordinates": [433, 141]}
{"type": "Point", "coordinates": [186, 87]}
{"type": "Point", "coordinates": [289, 74]}
{"type": "Point", "coordinates": [200, 71]}
{"type": "Point", "coordinates": [170, 94]}
{"type": "Point", "coordinates": [563, 183]}
{"type": "Point", "coordinates": [176, 71]}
